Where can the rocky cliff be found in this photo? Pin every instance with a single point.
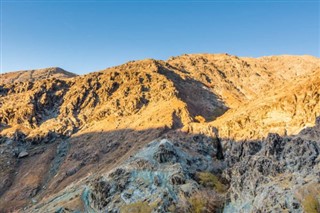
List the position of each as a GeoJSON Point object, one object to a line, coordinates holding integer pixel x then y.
{"type": "Point", "coordinates": [194, 133]}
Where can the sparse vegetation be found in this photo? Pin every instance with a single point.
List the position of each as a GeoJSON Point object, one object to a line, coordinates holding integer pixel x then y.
{"type": "Point", "coordinates": [138, 207]}
{"type": "Point", "coordinates": [311, 203]}
{"type": "Point", "coordinates": [207, 179]}
{"type": "Point", "coordinates": [309, 197]}
{"type": "Point", "coordinates": [197, 204]}
{"type": "Point", "coordinates": [201, 202]}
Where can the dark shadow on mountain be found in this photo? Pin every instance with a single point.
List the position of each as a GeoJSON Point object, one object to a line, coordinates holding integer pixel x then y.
{"type": "Point", "coordinates": [54, 166]}
{"type": "Point", "coordinates": [200, 100]}
{"type": "Point", "coordinates": [65, 160]}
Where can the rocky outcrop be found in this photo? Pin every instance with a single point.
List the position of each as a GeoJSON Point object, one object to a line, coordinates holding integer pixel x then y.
{"type": "Point", "coordinates": [160, 175]}
{"type": "Point", "coordinates": [23, 154]}
{"type": "Point", "coordinates": [273, 175]}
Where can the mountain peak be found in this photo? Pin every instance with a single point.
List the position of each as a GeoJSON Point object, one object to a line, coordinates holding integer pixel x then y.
{"type": "Point", "coordinates": [34, 75]}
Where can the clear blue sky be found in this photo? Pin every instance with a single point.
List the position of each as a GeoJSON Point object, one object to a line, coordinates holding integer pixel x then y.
{"type": "Point", "coordinates": [86, 36]}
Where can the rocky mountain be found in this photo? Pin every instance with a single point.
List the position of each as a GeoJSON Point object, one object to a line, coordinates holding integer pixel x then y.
{"type": "Point", "coordinates": [195, 133]}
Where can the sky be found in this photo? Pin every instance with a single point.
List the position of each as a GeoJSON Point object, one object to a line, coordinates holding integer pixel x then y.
{"type": "Point", "coordinates": [87, 36]}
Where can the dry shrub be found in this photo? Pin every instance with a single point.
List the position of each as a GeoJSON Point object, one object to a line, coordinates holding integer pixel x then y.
{"type": "Point", "coordinates": [207, 179]}
{"type": "Point", "coordinates": [309, 196]}
{"type": "Point", "coordinates": [204, 201]}
{"type": "Point", "coordinates": [311, 203]}
{"type": "Point", "coordinates": [138, 207]}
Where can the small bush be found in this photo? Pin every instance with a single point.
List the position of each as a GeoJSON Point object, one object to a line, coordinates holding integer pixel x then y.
{"type": "Point", "coordinates": [311, 204]}
{"type": "Point", "coordinates": [138, 207]}
{"type": "Point", "coordinates": [203, 201]}
{"type": "Point", "coordinates": [197, 204]}
{"type": "Point", "coordinates": [207, 179]}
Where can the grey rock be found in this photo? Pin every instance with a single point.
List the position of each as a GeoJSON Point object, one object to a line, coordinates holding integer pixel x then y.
{"type": "Point", "coordinates": [165, 153]}
{"type": "Point", "coordinates": [159, 173]}
{"type": "Point", "coordinates": [268, 176]}
{"type": "Point", "coordinates": [23, 154]}
{"type": "Point", "coordinates": [9, 142]}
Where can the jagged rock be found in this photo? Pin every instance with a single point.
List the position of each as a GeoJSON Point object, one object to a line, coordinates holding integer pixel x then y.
{"type": "Point", "coordinates": [101, 192]}
{"type": "Point", "coordinates": [270, 179]}
{"type": "Point", "coordinates": [274, 145]}
{"type": "Point", "coordinates": [165, 153]}
{"type": "Point", "coordinates": [23, 154]}
{"type": "Point", "coordinates": [19, 136]}
{"type": "Point", "coordinates": [142, 164]}
{"type": "Point", "coordinates": [170, 175]}
{"type": "Point", "coordinates": [177, 179]}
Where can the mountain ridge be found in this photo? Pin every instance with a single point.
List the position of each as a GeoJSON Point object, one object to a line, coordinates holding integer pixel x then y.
{"type": "Point", "coordinates": [76, 128]}
{"type": "Point", "coordinates": [34, 75]}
